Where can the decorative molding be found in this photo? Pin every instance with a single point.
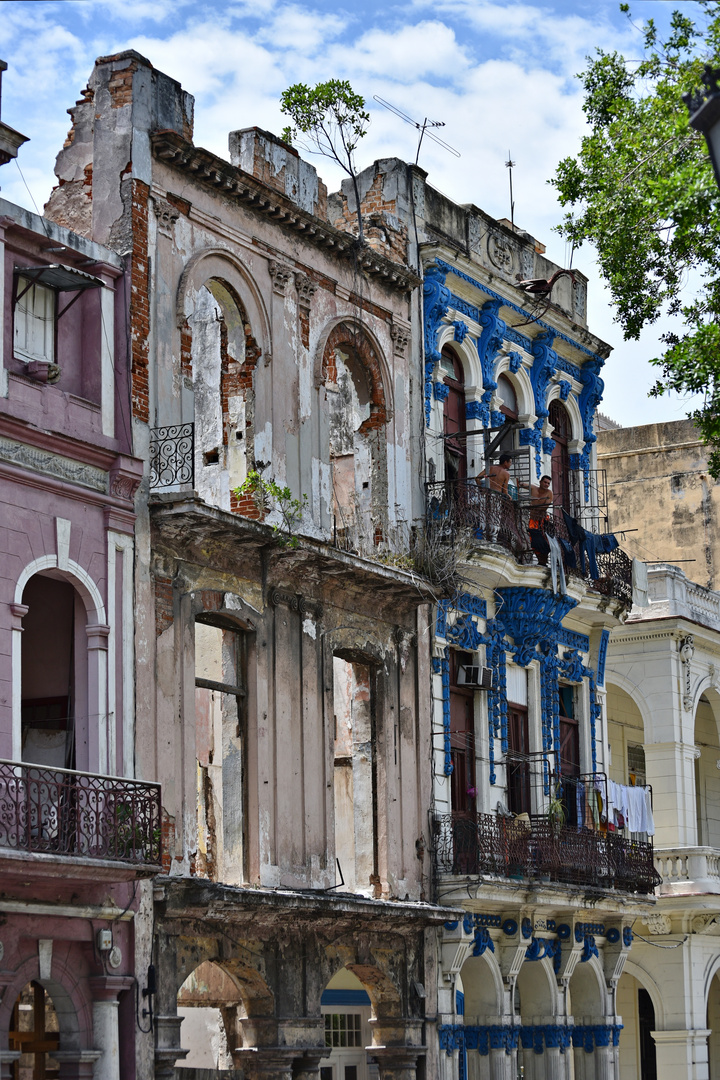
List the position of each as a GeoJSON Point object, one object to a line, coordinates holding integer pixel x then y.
{"type": "Point", "coordinates": [280, 274]}
{"type": "Point", "coordinates": [49, 464]}
{"type": "Point", "coordinates": [500, 252]}
{"type": "Point", "coordinates": [515, 362]}
{"type": "Point", "coordinates": [436, 298]}
{"type": "Point", "coordinates": [658, 924]}
{"type": "Point", "coordinates": [565, 389]}
{"type": "Point", "coordinates": [535, 1037]}
{"type": "Point", "coordinates": [531, 617]}
{"type": "Point", "coordinates": [686, 649]}
{"type": "Point", "coordinates": [166, 215]}
{"type": "Point", "coordinates": [602, 657]}
{"type": "Point", "coordinates": [461, 329]}
{"type": "Point", "coordinates": [306, 289]}
{"type": "Point", "coordinates": [296, 602]}
{"type": "Point", "coordinates": [513, 335]}
{"type": "Point", "coordinates": [441, 391]}
{"type": "Point", "coordinates": [401, 338]}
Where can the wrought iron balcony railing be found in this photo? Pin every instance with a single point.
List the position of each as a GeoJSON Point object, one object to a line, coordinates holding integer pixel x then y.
{"type": "Point", "coordinates": [539, 849]}
{"type": "Point", "coordinates": [172, 456]}
{"type": "Point", "coordinates": [81, 815]}
{"type": "Point", "coordinates": [462, 508]}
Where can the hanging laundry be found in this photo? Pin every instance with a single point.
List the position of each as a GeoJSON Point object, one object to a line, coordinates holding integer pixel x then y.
{"type": "Point", "coordinates": [639, 583]}
{"type": "Point", "coordinates": [557, 570]}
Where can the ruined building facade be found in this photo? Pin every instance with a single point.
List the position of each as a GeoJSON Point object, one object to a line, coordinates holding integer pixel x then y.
{"type": "Point", "coordinates": [282, 676]}
{"type": "Point", "coordinates": [372, 713]}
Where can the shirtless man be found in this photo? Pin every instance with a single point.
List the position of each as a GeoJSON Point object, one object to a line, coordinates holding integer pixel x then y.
{"type": "Point", "coordinates": [498, 475]}
{"type": "Point", "coordinates": [540, 499]}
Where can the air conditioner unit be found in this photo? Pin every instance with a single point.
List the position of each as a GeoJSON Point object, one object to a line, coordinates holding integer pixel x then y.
{"type": "Point", "coordinates": [475, 675]}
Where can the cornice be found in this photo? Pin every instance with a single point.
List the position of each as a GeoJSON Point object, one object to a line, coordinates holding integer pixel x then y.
{"type": "Point", "coordinates": [55, 442]}
{"type": "Point", "coordinates": [213, 172]}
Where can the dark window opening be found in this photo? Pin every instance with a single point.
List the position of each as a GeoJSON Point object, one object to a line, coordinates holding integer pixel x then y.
{"type": "Point", "coordinates": [518, 764]}
{"type": "Point", "coordinates": [646, 1024]}
{"type": "Point", "coordinates": [561, 433]}
{"type": "Point", "coordinates": [454, 428]}
{"type": "Point", "coordinates": [462, 737]}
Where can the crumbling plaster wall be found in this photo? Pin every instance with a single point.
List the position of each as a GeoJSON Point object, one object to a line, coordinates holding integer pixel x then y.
{"type": "Point", "coordinates": [289, 753]}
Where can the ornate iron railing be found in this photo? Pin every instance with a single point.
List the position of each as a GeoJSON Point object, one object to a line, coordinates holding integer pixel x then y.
{"type": "Point", "coordinates": [461, 507]}
{"type": "Point", "coordinates": [62, 812]}
{"type": "Point", "coordinates": [172, 456]}
{"type": "Point", "coordinates": [540, 849]}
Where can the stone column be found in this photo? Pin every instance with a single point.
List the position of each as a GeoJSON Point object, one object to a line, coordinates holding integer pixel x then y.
{"type": "Point", "coordinates": [106, 1034]}
{"type": "Point", "coordinates": [77, 1064]}
{"type": "Point", "coordinates": [395, 1062]}
{"type": "Point", "coordinates": [266, 1062]}
{"type": "Point", "coordinates": [7, 1059]}
{"type": "Point", "coordinates": [167, 1046]}
{"type": "Point", "coordinates": [682, 1053]}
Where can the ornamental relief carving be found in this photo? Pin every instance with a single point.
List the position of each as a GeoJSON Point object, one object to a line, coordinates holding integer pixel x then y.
{"type": "Point", "coordinates": [500, 253]}
{"type": "Point", "coordinates": [43, 461]}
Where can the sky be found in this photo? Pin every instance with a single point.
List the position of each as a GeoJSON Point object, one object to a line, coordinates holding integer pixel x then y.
{"type": "Point", "coordinates": [501, 77]}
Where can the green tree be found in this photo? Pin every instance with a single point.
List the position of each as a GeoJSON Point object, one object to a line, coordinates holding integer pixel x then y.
{"type": "Point", "coordinates": [642, 190]}
{"type": "Point", "coordinates": [333, 119]}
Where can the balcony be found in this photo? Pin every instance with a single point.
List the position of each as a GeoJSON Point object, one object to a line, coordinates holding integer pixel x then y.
{"type": "Point", "coordinates": [688, 871]}
{"type": "Point", "coordinates": [461, 512]}
{"type": "Point", "coordinates": [536, 849]}
{"type": "Point", "coordinates": [59, 813]}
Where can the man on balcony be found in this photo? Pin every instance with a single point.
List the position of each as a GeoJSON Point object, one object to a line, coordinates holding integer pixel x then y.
{"type": "Point", "coordinates": [540, 499]}
{"type": "Point", "coordinates": [496, 476]}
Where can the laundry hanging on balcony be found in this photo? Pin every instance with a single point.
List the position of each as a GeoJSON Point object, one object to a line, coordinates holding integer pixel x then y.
{"type": "Point", "coordinates": [590, 545]}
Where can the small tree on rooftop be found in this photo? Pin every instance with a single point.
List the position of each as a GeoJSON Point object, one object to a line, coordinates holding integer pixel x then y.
{"type": "Point", "coordinates": [333, 119]}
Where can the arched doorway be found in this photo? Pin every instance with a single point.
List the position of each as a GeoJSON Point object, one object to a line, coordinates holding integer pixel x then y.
{"type": "Point", "coordinates": [707, 777]}
{"type": "Point", "coordinates": [54, 704]}
{"type": "Point", "coordinates": [637, 1054]}
{"type": "Point", "coordinates": [560, 464]}
{"type": "Point", "coordinates": [536, 1001]}
{"type": "Point", "coordinates": [35, 1032]}
{"type": "Point", "coordinates": [208, 1001]}
{"type": "Point", "coordinates": [347, 1011]}
{"type": "Point", "coordinates": [462, 736]}
{"type": "Point", "coordinates": [713, 1025]}
{"type": "Point", "coordinates": [509, 409]}
{"type": "Point", "coordinates": [454, 428]}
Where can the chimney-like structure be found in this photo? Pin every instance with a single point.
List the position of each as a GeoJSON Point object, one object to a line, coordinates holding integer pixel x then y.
{"type": "Point", "coordinates": [106, 161]}
{"type": "Point", "coordinates": [10, 139]}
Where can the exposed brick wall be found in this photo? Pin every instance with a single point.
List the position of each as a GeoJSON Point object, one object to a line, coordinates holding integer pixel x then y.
{"type": "Point", "coordinates": [120, 86]}
{"type": "Point", "coordinates": [139, 302]}
{"type": "Point", "coordinates": [388, 239]}
{"type": "Point", "coordinates": [351, 339]}
{"type": "Point", "coordinates": [304, 321]}
{"type": "Point", "coordinates": [163, 604]}
{"type": "Point", "coordinates": [186, 367]}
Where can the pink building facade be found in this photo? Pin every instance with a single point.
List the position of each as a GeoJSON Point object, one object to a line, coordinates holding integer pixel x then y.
{"type": "Point", "coordinates": [76, 830]}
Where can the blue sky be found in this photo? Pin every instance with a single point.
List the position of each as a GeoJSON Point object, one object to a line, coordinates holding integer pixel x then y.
{"type": "Point", "coordinates": [500, 75]}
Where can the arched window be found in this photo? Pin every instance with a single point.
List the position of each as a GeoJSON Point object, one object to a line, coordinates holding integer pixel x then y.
{"type": "Point", "coordinates": [54, 708]}
{"type": "Point", "coordinates": [454, 416]}
{"type": "Point", "coordinates": [560, 466]}
{"type": "Point", "coordinates": [224, 355]}
{"type": "Point", "coordinates": [509, 409]}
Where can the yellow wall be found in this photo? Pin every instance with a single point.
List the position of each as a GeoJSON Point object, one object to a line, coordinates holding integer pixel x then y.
{"type": "Point", "coordinates": [658, 483]}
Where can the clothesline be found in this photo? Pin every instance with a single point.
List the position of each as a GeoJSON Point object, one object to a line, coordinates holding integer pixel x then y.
{"type": "Point", "coordinates": [616, 807]}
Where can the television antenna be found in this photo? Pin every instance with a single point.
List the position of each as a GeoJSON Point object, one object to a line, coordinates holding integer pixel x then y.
{"type": "Point", "coordinates": [423, 128]}
{"type": "Point", "coordinates": [510, 165]}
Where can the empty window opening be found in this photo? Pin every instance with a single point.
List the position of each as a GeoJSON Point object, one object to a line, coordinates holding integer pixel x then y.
{"type": "Point", "coordinates": [355, 779]}
{"type": "Point", "coordinates": [35, 1032]}
{"type": "Point", "coordinates": [223, 351]}
{"type": "Point", "coordinates": [54, 692]}
{"type": "Point", "coordinates": [348, 397]}
{"type": "Point", "coordinates": [462, 737]}
{"type": "Point", "coordinates": [220, 725]}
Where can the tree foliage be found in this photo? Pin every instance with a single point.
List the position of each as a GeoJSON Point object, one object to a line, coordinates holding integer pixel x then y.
{"type": "Point", "coordinates": [642, 190]}
{"type": "Point", "coordinates": [333, 118]}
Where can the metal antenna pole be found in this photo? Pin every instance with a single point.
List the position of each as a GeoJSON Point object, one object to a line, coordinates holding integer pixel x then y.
{"type": "Point", "coordinates": [510, 165]}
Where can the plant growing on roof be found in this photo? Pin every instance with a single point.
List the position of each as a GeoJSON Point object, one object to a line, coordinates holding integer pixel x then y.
{"type": "Point", "coordinates": [333, 118]}
{"type": "Point", "coordinates": [270, 496]}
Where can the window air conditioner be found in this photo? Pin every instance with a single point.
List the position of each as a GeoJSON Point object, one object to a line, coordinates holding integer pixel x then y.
{"type": "Point", "coordinates": [476, 676]}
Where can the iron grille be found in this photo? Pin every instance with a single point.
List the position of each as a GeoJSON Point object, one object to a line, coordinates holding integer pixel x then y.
{"type": "Point", "coordinates": [172, 456]}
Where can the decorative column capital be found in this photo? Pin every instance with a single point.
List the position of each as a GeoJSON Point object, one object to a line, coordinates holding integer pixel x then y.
{"type": "Point", "coordinates": [280, 275]}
